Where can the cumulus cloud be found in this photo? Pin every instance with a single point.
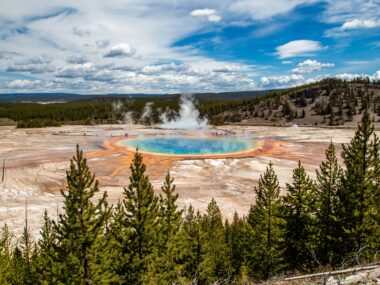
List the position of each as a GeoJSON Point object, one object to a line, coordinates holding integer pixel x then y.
{"type": "Point", "coordinates": [20, 83]}
{"type": "Point", "coordinates": [159, 68]}
{"type": "Point", "coordinates": [230, 68]}
{"type": "Point", "coordinates": [282, 80]}
{"type": "Point", "coordinates": [79, 70]}
{"type": "Point", "coordinates": [309, 66]}
{"type": "Point", "coordinates": [154, 30]}
{"type": "Point", "coordinates": [376, 75]}
{"type": "Point", "coordinates": [360, 24]}
{"type": "Point", "coordinates": [34, 65]}
{"type": "Point", "coordinates": [352, 27]}
{"type": "Point", "coordinates": [298, 48]}
{"type": "Point", "coordinates": [121, 50]}
{"type": "Point", "coordinates": [210, 14]}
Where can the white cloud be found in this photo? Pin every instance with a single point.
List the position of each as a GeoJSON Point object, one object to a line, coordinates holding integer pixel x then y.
{"type": "Point", "coordinates": [171, 67]}
{"type": "Point", "coordinates": [298, 48]}
{"type": "Point", "coordinates": [341, 11]}
{"type": "Point", "coordinates": [309, 66]}
{"type": "Point", "coordinates": [351, 76]}
{"type": "Point", "coordinates": [283, 80]}
{"type": "Point", "coordinates": [78, 70]}
{"type": "Point", "coordinates": [230, 69]}
{"type": "Point", "coordinates": [360, 24]}
{"type": "Point", "coordinates": [151, 30]}
{"type": "Point", "coordinates": [211, 14]}
{"type": "Point", "coordinates": [121, 50]}
{"type": "Point", "coordinates": [376, 75]}
{"type": "Point", "coordinates": [20, 83]}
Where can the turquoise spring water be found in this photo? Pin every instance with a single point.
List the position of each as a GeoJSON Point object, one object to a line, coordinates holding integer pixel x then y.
{"type": "Point", "coordinates": [189, 146]}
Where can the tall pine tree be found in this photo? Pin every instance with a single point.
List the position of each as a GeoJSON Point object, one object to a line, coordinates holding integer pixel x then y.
{"type": "Point", "coordinates": [359, 211]}
{"type": "Point", "coordinates": [164, 268]}
{"type": "Point", "coordinates": [135, 228]}
{"type": "Point", "coordinates": [80, 225]}
{"type": "Point", "coordinates": [267, 228]}
{"type": "Point", "coordinates": [46, 273]}
{"type": "Point", "coordinates": [5, 256]}
{"type": "Point", "coordinates": [299, 208]}
{"type": "Point", "coordinates": [192, 244]}
{"type": "Point", "coordinates": [236, 236]}
{"type": "Point", "coordinates": [215, 264]}
{"type": "Point", "coordinates": [328, 186]}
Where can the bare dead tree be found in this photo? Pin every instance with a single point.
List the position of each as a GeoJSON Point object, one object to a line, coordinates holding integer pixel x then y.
{"type": "Point", "coordinates": [3, 176]}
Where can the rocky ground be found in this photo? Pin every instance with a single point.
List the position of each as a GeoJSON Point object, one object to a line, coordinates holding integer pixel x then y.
{"type": "Point", "coordinates": [36, 160]}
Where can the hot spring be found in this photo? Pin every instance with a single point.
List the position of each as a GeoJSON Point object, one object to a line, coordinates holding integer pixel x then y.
{"type": "Point", "coordinates": [189, 145]}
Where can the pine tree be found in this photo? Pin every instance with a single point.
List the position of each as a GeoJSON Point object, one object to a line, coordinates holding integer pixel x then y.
{"type": "Point", "coordinates": [16, 273]}
{"type": "Point", "coordinates": [46, 273]}
{"type": "Point", "coordinates": [192, 244]}
{"type": "Point", "coordinates": [5, 256]}
{"type": "Point", "coordinates": [28, 255]}
{"type": "Point", "coordinates": [359, 212]}
{"type": "Point", "coordinates": [299, 207]}
{"type": "Point", "coordinates": [215, 266]}
{"type": "Point", "coordinates": [135, 228]}
{"type": "Point", "coordinates": [267, 227]}
{"type": "Point", "coordinates": [376, 185]}
{"type": "Point", "coordinates": [80, 225]}
{"type": "Point", "coordinates": [236, 236]}
{"type": "Point", "coordinates": [165, 268]}
{"type": "Point", "coordinates": [328, 186]}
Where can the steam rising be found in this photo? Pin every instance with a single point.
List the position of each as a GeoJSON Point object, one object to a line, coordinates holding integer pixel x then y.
{"type": "Point", "coordinates": [118, 107]}
{"type": "Point", "coordinates": [188, 117]}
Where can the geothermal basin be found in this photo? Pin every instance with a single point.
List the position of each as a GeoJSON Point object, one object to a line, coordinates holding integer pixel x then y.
{"type": "Point", "coordinates": [223, 163]}
{"type": "Point", "coordinates": [191, 146]}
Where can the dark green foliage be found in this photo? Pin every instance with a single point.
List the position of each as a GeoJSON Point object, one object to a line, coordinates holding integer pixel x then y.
{"type": "Point", "coordinates": [299, 208]}
{"type": "Point", "coordinates": [34, 115]}
{"type": "Point", "coordinates": [237, 239]}
{"type": "Point", "coordinates": [136, 228]}
{"type": "Point", "coordinates": [26, 263]}
{"type": "Point", "coordinates": [5, 256]}
{"type": "Point", "coordinates": [80, 225]}
{"type": "Point", "coordinates": [215, 265]}
{"type": "Point", "coordinates": [46, 273]}
{"type": "Point", "coordinates": [359, 211]}
{"type": "Point", "coordinates": [16, 273]}
{"type": "Point", "coordinates": [192, 238]}
{"type": "Point", "coordinates": [329, 186]}
{"type": "Point", "coordinates": [37, 123]}
{"type": "Point", "coordinates": [266, 228]}
{"type": "Point", "coordinates": [164, 267]}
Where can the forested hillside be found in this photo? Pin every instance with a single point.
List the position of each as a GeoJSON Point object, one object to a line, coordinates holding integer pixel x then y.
{"type": "Point", "coordinates": [333, 222]}
{"type": "Point", "coordinates": [329, 102]}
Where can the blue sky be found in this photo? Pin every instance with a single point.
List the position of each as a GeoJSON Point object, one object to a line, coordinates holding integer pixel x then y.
{"type": "Point", "coordinates": [133, 46]}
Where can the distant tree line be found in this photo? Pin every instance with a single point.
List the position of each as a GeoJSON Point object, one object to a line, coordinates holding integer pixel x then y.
{"type": "Point", "coordinates": [335, 100]}
{"type": "Point", "coordinates": [145, 239]}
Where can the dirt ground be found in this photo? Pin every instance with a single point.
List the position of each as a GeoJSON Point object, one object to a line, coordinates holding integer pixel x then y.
{"type": "Point", "coordinates": [36, 161]}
